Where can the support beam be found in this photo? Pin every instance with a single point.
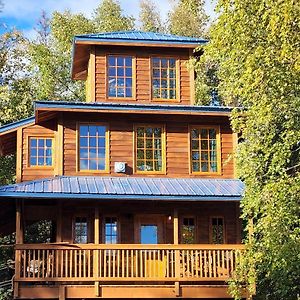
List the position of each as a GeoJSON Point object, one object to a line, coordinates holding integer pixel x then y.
{"type": "Point", "coordinates": [19, 223]}
{"type": "Point", "coordinates": [59, 151]}
{"type": "Point", "coordinates": [96, 226]}
{"type": "Point", "coordinates": [19, 240]}
{"type": "Point", "coordinates": [96, 253]}
{"type": "Point", "coordinates": [19, 153]}
{"type": "Point", "coordinates": [61, 292]}
{"type": "Point", "coordinates": [177, 254]}
{"type": "Point", "coordinates": [175, 228]}
{"type": "Point", "coordinates": [59, 223]}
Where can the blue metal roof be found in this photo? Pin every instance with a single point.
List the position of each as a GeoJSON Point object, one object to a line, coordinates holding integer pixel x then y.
{"type": "Point", "coordinates": [128, 188]}
{"type": "Point", "coordinates": [188, 109]}
{"type": "Point", "coordinates": [141, 37]}
{"type": "Point", "coordinates": [16, 125]}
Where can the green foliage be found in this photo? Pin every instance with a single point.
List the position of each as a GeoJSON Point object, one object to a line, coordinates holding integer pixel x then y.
{"type": "Point", "coordinates": [207, 81]}
{"type": "Point", "coordinates": [256, 46]}
{"type": "Point", "coordinates": [50, 56]}
{"type": "Point", "coordinates": [150, 17]}
{"type": "Point", "coordinates": [108, 16]}
{"type": "Point", "coordinates": [188, 18]}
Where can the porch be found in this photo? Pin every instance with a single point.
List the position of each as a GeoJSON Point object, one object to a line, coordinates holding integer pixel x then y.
{"type": "Point", "coordinates": [94, 269]}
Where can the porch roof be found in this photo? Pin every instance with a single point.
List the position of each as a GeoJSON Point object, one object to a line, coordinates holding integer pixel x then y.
{"type": "Point", "coordinates": [127, 188]}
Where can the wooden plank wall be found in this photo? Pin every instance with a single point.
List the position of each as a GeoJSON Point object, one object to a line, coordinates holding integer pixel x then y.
{"type": "Point", "coordinates": [143, 73]}
{"type": "Point", "coordinates": [121, 142]}
{"type": "Point", "coordinates": [30, 173]}
{"type": "Point", "coordinates": [129, 220]}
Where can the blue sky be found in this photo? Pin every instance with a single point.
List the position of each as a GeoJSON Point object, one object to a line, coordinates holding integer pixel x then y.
{"type": "Point", "coordinates": [23, 14]}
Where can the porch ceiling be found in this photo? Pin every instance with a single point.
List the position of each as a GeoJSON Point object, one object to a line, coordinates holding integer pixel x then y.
{"type": "Point", "coordinates": [128, 188]}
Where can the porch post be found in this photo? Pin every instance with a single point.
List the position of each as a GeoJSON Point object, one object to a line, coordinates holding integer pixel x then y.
{"type": "Point", "coordinates": [96, 251]}
{"type": "Point", "coordinates": [177, 253]}
{"type": "Point", "coordinates": [19, 240]}
{"type": "Point", "coordinates": [59, 223]}
{"type": "Point", "coordinates": [175, 227]}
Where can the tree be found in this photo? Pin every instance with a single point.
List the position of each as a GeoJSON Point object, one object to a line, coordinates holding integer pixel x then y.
{"type": "Point", "coordinates": [188, 18]}
{"type": "Point", "coordinates": [149, 17]}
{"type": "Point", "coordinates": [256, 46]}
{"type": "Point", "coordinates": [50, 56]}
{"type": "Point", "coordinates": [108, 16]}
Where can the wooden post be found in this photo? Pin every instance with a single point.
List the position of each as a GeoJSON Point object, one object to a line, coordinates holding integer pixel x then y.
{"type": "Point", "coordinates": [19, 155]}
{"type": "Point", "coordinates": [96, 251]}
{"type": "Point", "coordinates": [177, 253]}
{"type": "Point", "coordinates": [59, 151]}
{"type": "Point", "coordinates": [19, 240]}
{"type": "Point", "coordinates": [59, 223]}
{"type": "Point", "coordinates": [61, 292]}
{"type": "Point", "coordinates": [175, 228]}
{"type": "Point", "coordinates": [192, 81]}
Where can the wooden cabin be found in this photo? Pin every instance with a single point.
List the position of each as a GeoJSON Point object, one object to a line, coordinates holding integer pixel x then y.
{"type": "Point", "coordinates": [134, 190]}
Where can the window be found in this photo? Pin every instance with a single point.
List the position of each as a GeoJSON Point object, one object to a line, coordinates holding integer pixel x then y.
{"type": "Point", "coordinates": [204, 150]}
{"type": "Point", "coordinates": [149, 234]}
{"type": "Point", "coordinates": [93, 147]}
{"type": "Point", "coordinates": [163, 78]}
{"type": "Point", "coordinates": [149, 148]}
{"type": "Point", "coordinates": [40, 151]}
{"type": "Point", "coordinates": [120, 76]}
{"type": "Point", "coordinates": [188, 231]}
{"type": "Point", "coordinates": [217, 230]}
{"type": "Point", "coordinates": [111, 230]}
{"type": "Point", "coordinates": [80, 230]}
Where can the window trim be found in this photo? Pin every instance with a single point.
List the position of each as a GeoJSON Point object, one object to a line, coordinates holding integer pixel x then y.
{"type": "Point", "coordinates": [163, 148]}
{"type": "Point", "coordinates": [133, 97]}
{"type": "Point", "coordinates": [219, 150]}
{"type": "Point", "coordinates": [196, 228]}
{"type": "Point", "coordinates": [88, 228]}
{"type": "Point", "coordinates": [118, 228]}
{"type": "Point", "coordinates": [211, 231]}
{"type": "Point", "coordinates": [178, 83]}
{"type": "Point", "coordinates": [107, 145]}
{"type": "Point", "coordinates": [41, 136]}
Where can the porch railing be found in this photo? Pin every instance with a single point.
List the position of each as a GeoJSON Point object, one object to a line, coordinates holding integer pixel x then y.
{"type": "Point", "coordinates": [108, 263]}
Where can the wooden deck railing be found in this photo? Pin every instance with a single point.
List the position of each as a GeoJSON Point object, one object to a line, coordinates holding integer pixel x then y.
{"type": "Point", "coordinates": [107, 263]}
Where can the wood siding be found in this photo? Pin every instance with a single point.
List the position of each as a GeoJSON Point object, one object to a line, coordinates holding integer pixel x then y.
{"type": "Point", "coordinates": [142, 74]}
{"type": "Point", "coordinates": [47, 129]}
{"type": "Point", "coordinates": [122, 147]}
{"type": "Point", "coordinates": [131, 215]}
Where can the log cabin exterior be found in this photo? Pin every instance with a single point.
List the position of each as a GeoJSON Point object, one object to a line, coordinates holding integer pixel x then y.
{"type": "Point", "coordinates": [136, 185]}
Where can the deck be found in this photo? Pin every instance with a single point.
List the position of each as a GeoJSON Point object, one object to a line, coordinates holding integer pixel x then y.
{"type": "Point", "coordinates": [158, 271]}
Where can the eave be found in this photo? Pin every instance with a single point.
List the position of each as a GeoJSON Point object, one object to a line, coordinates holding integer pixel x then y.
{"type": "Point", "coordinates": [45, 110]}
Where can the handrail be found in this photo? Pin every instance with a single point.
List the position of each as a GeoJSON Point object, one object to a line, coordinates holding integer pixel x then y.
{"type": "Point", "coordinates": [64, 246]}
{"type": "Point", "coordinates": [126, 262]}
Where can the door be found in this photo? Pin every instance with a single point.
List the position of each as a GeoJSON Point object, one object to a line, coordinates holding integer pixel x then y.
{"type": "Point", "coordinates": [149, 229]}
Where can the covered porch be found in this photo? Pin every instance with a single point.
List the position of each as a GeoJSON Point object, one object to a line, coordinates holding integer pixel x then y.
{"type": "Point", "coordinates": [166, 244]}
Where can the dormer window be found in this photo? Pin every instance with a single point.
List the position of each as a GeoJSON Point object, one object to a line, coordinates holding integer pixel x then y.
{"type": "Point", "coordinates": [120, 76]}
{"type": "Point", "coordinates": [164, 85]}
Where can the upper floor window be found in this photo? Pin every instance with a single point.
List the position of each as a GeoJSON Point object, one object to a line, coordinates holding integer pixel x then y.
{"type": "Point", "coordinates": [93, 147]}
{"type": "Point", "coordinates": [111, 230]}
{"type": "Point", "coordinates": [120, 78]}
{"type": "Point", "coordinates": [205, 154]}
{"type": "Point", "coordinates": [164, 78]}
{"type": "Point", "coordinates": [149, 152]}
{"type": "Point", "coordinates": [188, 229]}
{"type": "Point", "coordinates": [80, 230]}
{"type": "Point", "coordinates": [217, 230]}
{"type": "Point", "coordinates": [40, 151]}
